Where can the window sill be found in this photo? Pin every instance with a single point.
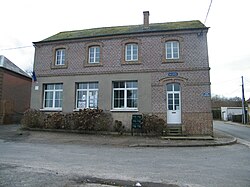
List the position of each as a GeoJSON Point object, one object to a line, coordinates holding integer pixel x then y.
{"type": "Point", "coordinates": [51, 109]}
{"type": "Point", "coordinates": [124, 110]}
{"type": "Point", "coordinates": [131, 63]}
{"type": "Point", "coordinates": [81, 109]}
{"type": "Point", "coordinates": [59, 67]}
{"type": "Point", "coordinates": [93, 65]}
{"type": "Point", "coordinates": [166, 61]}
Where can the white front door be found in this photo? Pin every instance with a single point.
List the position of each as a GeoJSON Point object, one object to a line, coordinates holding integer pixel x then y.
{"type": "Point", "coordinates": [173, 104]}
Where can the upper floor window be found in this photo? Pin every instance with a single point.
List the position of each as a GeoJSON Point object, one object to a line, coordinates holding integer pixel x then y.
{"type": "Point", "coordinates": [94, 54]}
{"type": "Point", "coordinates": [60, 57]}
{"type": "Point", "coordinates": [131, 52]}
{"type": "Point", "coordinates": [87, 95]}
{"type": "Point", "coordinates": [172, 50]}
{"type": "Point", "coordinates": [53, 96]}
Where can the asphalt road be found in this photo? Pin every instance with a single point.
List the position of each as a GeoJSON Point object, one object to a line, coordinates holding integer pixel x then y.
{"type": "Point", "coordinates": [55, 164]}
{"type": "Point", "coordinates": [241, 132]}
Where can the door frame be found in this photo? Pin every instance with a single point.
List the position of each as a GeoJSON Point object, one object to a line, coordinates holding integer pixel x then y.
{"type": "Point", "coordinates": [176, 118]}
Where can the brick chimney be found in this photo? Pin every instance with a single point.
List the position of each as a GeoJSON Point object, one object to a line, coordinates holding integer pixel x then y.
{"type": "Point", "coordinates": [146, 19]}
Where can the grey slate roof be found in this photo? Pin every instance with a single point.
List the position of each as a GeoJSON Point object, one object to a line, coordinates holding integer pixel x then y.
{"type": "Point", "coordinates": [121, 30]}
{"type": "Point", "coordinates": [7, 64]}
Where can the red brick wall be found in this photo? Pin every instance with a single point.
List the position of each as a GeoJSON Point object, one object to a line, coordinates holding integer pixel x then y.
{"type": "Point", "coordinates": [16, 92]}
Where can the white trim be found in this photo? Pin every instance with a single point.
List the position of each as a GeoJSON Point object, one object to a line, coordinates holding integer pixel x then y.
{"type": "Point", "coordinates": [61, 61]}
{"type": "Point", "coordinates": [54, 90]}
{"type": "Point", "coordinates": [125, 89]}
{"type": "Point", "coordinates": [51, 109]}
{"type": "Point", "coordinates": [95, 52]}
{"type": "Point", "coordinates": [172, 49]}
{"type": "Point", "coordinates": [132, 51]}
{"type": "Point", "coordinates": [124, 110]}
{"type": "Point", "coordinates": [88, 90]}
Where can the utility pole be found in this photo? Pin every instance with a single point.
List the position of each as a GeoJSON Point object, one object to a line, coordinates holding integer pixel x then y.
{"type": "Point", "coordinates": [243, 103]}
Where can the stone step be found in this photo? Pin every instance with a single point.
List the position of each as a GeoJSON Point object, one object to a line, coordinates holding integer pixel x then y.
{"type": "Point", "coordinates": [174, 131]}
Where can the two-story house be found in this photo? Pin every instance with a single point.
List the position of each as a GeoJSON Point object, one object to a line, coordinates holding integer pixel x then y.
{"type": "Point", "coordinates": [159, 68]}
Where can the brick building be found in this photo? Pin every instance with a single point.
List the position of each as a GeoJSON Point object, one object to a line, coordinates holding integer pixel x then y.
{"type": "Point", "coordinates": [15, 87]}
{"type": "Point", "coordinates": [159, 68]}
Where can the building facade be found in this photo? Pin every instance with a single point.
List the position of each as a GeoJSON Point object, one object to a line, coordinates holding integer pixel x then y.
{"type": "Point", "coordinates": [15, 93]}
{"type": "Point", "coordinates": [150, 68]}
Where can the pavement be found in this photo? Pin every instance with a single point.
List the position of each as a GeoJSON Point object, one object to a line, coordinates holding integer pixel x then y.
{"type": "Point", "coordinates": [15, 133]}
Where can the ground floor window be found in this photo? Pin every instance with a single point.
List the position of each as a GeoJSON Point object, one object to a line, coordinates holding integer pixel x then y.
{"type": "Point", "coordinates": [87, 95]}
{"type": "Point", "coordinates": [125, 95]}
{"type": "Point", "coordinates": [53, 96]}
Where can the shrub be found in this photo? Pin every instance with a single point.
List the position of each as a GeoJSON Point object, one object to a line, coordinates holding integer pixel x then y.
{"type": "Point", "coordinates": [87, 119]}
{"type": "Point", "coordinates": [103, 122]}
{"type": "Point", "coordinates": [33, 119]}
{"type": "Point", "coordinates": [55, 121]}
{"type": "Point", "coordinates": [152, 124]}
{"type": "Point", "coordinates": [118, 127]}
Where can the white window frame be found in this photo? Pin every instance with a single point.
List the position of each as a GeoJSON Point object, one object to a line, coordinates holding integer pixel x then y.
{"type": "Point", "coordinates": [96, 58]}
{"type": "Point", "coordinates": [53, 91]}
{"type": "Point", "coordinates": [125, 89]}
{"type": "Point", "coordinates": [60, 57]}
{"type": "Point", "coordinates": [172, 53]}
{"type": "Point", "coordinates": [88, 90]}
{"type": "Point", "coordinates": [132, 46]}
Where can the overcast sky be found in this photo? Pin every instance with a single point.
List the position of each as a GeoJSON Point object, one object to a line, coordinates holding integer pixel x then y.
{"type": "Point", "coordinates": [27, 21]}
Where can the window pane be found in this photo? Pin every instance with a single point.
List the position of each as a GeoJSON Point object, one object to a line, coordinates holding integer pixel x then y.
{"type": "Point", "coordinates": [58, 99]}
{"type": "Point", "coordinates": [119, 98]}
{"type": "Point", "coordinates": [58, 103]}
{"type": "Point", "coordinates": [119, 103]}
{"type": "Point", "coordinates": [82, 99]}
{"type": "Point", "coordinates": [135, 52]}
{"type": "Point", "coordinates": [176, 87]}
{"type": "Point", "coordinates": [49, 103]}
{"type": "Point", "coordinates": [93, 99]}
{"type": "Point", "coordinates": [58, 95]}
{"type": "Point", "coordinates": [49, 87]}
{"type": "Point", "coordinates": [169, 87]}
{"type": "Point", "coordinates": [97, 54]}
{"type": "Point", "coordinates": [128, 57]}
{"type": "Point", "coordinates": [131, 84]}
{"type": "Point", "coordinates": [48, 99]}
{"type": "Point", "coordinates": [91, 50]}
{"type": "Point", "coordinates": [93, 85]}
{"type": "Point", "coordinates": [82, 86]}
{"type": "Point", "coordinates": [170, 107]}
{"type": "Point", "coordinates": [170, 101]}
{"type": "Point", "coordinates": [97, 50]}
{"type": "Point", "coordinates": [129, 48]}
{"type": "Point", "coordinates": [131, 98]}
{"type": "Point", "coordinates": [175, 44]}
{"type": "Point", "coordinates": [58, 86]}
{"type": "Point", "coordinates": [119, 84]}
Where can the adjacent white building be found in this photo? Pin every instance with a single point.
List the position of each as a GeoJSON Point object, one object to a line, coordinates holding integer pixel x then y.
{"type": "Point", "coordinates": [227, 112]}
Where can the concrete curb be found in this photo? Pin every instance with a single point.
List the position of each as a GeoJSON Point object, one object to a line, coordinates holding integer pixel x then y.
{"type": "Point", "coordinates": [186, 145]}
{"type": "Point", "coordinates": [221, 139]}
